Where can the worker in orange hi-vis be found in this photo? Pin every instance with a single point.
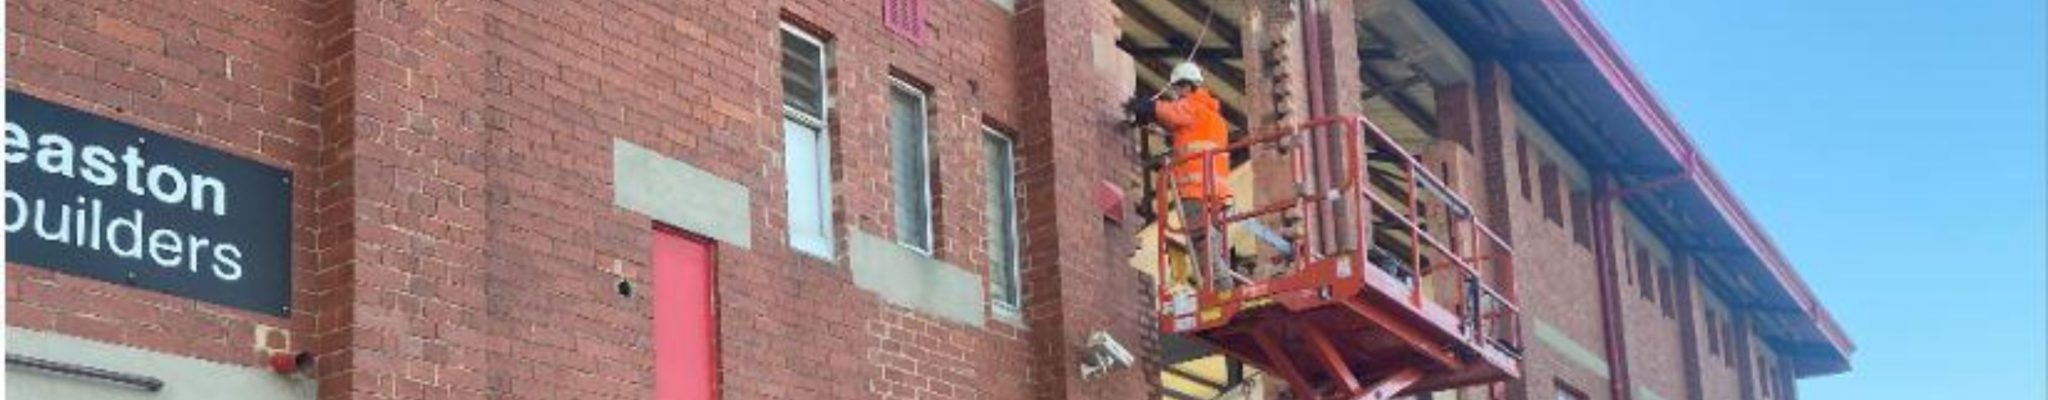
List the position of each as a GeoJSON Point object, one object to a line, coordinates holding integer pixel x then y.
{"type": "Point", "coordinates": [1195, 119]}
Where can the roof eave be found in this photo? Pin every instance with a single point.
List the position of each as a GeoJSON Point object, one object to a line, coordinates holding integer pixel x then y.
{"type": "Point", "coordinates": [1600, 51]}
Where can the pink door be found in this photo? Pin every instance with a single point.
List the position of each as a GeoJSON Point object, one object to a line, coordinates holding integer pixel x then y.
{"type": "Point", "coordinates": [685, 326]}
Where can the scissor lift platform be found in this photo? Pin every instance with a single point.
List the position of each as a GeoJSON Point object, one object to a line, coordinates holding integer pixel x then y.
{"type": "Point", "coordinates": [1371, 302]}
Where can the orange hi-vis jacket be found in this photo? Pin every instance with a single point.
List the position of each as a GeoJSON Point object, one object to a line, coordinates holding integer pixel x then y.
{"type": "Point", "coordinates": [1196, 120]}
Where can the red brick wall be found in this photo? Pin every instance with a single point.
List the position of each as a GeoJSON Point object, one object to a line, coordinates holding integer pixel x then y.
{"type": "Point", "coordinates": [1559, 285]}
{"type": "Point", "coordinates": [1069, 144]}
{"type": "Point", "coordinates": [454, 236]}
{"type": "Point", "coordinates": [1718, 376]}
{"type": "Point", "coordinates": [237, 77]}
{"type": "Point", "coordinates": [1654, 343]}
{"type": "Point", "coordinates": [535, 92]}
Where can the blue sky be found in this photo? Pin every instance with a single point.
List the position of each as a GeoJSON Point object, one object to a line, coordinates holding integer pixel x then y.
{"type": "Point", "coordinates": [1894, 149]}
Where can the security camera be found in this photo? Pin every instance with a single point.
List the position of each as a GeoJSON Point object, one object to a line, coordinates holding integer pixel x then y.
{"type": "Point", "coordinates": [1104, 354]}
{"type": "Point", "coordinates": [1114, 350]}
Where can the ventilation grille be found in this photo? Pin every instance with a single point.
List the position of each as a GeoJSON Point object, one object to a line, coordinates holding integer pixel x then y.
{"type": "Point", "coordinates": [905, 18]}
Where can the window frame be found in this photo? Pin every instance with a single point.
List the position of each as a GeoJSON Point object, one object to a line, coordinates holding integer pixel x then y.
{"type": "Point", "coordinates": [824, 78]}
{"type": "Point", "coordinates": [1646, 268]}
{"type": "Point", "coordinates": [1015, 272]}
{"type": "Point", "coordinates": [1729, 344]}
{"type": "Point", "coordinates": [825, 244]}
{"type": "Point", "coordinates": [1522, 167]}
{"type": "Point", "coordinates": [930, 245]}
{"type": "Point", "coordinates": [1667, 290]}
{"type": "Point", "coordinates": [1713, 319]}
{"type": "Point", "coordinates": [1581, 219]}
{"type": "Point", "coordinates": [1762, 376]}
{"type": "Point", "coordinates": [1551, 179]}
{"type": "Point", "coordinates": [1627, 260]}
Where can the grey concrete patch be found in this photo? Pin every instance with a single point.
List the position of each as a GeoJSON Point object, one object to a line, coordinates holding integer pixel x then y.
{"type": "Point", "coordinates": [1013, 318]}
{"type": "Point", "coordinates": [912, 279]}
{"type": "Point", "coordinates": [675, 193]}
{"type": "Point", "coordinates": [1556, 340]}
{"type": "Point", "coordinates": [184, 378]}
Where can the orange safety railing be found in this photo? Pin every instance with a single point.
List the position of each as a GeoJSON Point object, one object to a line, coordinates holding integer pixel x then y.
{"type": "Point", "coordinates": [1337, 213]}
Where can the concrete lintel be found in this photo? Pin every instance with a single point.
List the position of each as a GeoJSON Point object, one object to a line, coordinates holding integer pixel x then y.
{"type": "Point", "coordinates": [911, 279]}
{"type": "Point", "coordinates": [678, 194]}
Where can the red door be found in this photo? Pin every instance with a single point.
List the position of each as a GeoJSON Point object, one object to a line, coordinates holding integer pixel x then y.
{"type": "Point", "coordinates": [685, 326]}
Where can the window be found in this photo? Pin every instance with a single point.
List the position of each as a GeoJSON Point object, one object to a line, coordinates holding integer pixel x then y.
{"type": "Point", "coordinates": [806, 151]}
{"type": "Point", "coordinates": [1552, 210]}
{"type": "Point", "coordinates": [1774, 374]}
{"type": "Point", "coordinates": [1001, 192]}
{"type": "Point", "coordinates": [1713, 325]}
{"type": "Point", "coordinates": [803, 73]}
{"type": "Point", "coordinates": [1713, 332]}
{"type": "Point", "coordinates": [1628, 260]}
{"type": "Point", "coordinates": [910, 161]}
{"type": "Point", "coordinates": [1643, 269]}
{"type": "Point", "coordinates": [1763, 375]}
{"type": "Point", "coordinates": [1666, 294]}
{"type": "Point", "coordinates": [1522, 165]}
{"type": "Point", "coordinates": [1582, 220]}
{"type": "Point", "coordinates": [1728, 339]}
{"type": "Point", "coordinates": [1567, 392]}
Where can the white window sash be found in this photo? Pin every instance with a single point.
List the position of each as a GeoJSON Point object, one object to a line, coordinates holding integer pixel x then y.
{"type": "Point", "coordinates": [1008, 222]}
{"type": "Point", "coordinates": [819, 216]}
{"type": "Point", "coordinates": [924, 166]}
{"type": "Point", "coordinates": [824, 64]}
{"type": "Point", "coordinates": [810, 218]}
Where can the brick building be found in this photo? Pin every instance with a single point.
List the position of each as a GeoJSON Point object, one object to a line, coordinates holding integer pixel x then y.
{"type": "Point", "coordinates": [812, 199]}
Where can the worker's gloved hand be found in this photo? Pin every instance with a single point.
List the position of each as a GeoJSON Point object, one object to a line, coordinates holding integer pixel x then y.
{"type": "Point", "coordinates": [1140, 109]}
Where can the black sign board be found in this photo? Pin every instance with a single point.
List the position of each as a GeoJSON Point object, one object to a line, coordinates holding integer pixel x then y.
{"type": "Point", "coordinates": [97, 198]}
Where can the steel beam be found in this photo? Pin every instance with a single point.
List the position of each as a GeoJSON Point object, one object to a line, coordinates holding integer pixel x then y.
{"type": "Point", "coordinates": [1281, 365]}
{"type": "Point", "coordinates": [1408, 335]}
{"type": "Point", "coordinates": [1225, 31]}
{"type": "Point", "coordinates": [1206, 53]}
{"type": "Point", "coordinates": [1333, 361]}
{"type": "Point", "coordinates": [1145, 18]}
{"type": "Point", "coordinates": [1393, 384]}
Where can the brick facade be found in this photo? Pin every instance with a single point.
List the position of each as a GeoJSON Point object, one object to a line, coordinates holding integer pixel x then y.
{"type": "Point", "coordinates": [448, 244]}
{"type": "Point", "coordinates": [453, 238]}
{"type": "Point", "coordinates": [238, 78]}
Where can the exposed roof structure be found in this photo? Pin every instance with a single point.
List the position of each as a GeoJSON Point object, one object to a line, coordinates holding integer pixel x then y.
{"type": "Point", "coordinates": [1572, 77]}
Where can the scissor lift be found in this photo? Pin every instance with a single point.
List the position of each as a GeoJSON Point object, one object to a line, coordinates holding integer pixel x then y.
{"type": "Point", "coordinates": [1388, 286]}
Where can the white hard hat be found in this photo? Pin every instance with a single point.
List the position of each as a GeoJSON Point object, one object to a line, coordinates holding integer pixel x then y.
{"type": "Point", "coordinates": [1186, 71]}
